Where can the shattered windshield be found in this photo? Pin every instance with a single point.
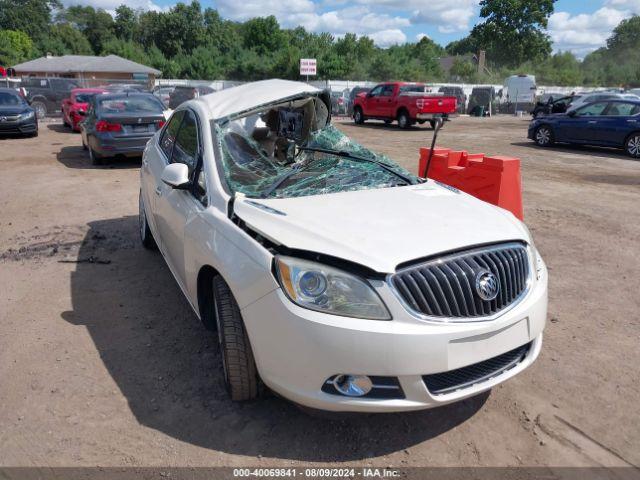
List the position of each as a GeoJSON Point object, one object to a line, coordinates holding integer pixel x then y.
{"type": "Point", "coordinates": [275, 154]}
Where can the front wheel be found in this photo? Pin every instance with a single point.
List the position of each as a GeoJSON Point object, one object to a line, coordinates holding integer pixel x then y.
{"type": "Point", "coordinates": [543, 136]}
{"type": "Point", "coordinates": [632, 145]}
{"type": "Point", "coordinates": [358, 116]}
{"type": "Point", "coordinates": [146, 237]}
{"type": "Point", "coordinates": [238, 364]}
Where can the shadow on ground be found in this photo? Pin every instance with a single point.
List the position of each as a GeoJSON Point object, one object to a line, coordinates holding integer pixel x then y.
{"type": "Point", "coordinates": [582, 149]}
{"type": "Point", "coordinates": [168, 366]}
{"type": "Point", "coordinates": [78, 157]}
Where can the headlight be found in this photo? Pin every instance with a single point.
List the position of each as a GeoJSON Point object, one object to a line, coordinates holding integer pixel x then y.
{"type": "Point", "coordinates": [326, 289]}
{"type": "Point", "coordinates": [27, 115]}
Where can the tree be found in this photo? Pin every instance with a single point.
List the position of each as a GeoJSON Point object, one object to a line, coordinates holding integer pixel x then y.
{"type": "Point", "coordinates": [96, 25]}
{"type": "Point", "coordinates": [464, 70]}
{"type": "Point", "coordinates": [32, 17]}
{"type": "Point", "coordinates": [15, 47]}
{"type": "Point", "coordinates": [625, 35]}
{"type": "Point", "coordinates": [125, 23]}
{"type": "Point", "coordinates": [263, 35]}
{"type": "Point", "coordinates": [63, 39]}
{"type": "Point", "coordinates": [513, 30]}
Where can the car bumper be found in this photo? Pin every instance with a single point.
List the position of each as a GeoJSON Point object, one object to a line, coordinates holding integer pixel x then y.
{"type": "Point", "coordinates": [17, 128]}
{"type": "Point", "coordinates": [109, 145]}
{"type": "Point", "coordinates": [530, 133]}
{"type": "Point", "coordinates": [298, 350]}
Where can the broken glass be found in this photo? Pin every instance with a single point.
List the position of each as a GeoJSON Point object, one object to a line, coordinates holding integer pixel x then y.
{"type": "Point", "coordinates": [251, 167]}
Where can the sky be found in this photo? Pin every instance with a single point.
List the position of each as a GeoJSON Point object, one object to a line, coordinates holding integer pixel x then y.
{"type": "Point", "coordinates": [579, 26]}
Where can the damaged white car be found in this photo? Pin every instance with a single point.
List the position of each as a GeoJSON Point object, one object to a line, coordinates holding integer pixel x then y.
{"type": "Point", "coordinates": [333, 276]}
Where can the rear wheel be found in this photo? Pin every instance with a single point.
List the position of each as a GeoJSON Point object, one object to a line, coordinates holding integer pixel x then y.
{"type": "Point", "coordinates": [632, 145]}
{"type": "Point", "coordinates": [95, 158]}
{"type": "Point", "coordinates": [358, 116]}
{"type": "Point", "coordinates": [238, 364]}
{"type": "Point", "coordinates": [40, 108]}
{"type": "Point", "coordinates": [543, 136]}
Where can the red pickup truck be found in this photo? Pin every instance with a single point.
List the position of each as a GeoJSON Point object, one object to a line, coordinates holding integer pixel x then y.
{"type": "Point", "coordinates": [406, 102]}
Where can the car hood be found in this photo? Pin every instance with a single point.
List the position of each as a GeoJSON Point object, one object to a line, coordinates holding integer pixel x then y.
{"type": "Point", "coordinates": [381, 228]}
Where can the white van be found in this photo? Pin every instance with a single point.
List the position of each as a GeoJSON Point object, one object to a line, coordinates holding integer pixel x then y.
{"type": "Point", "coordinates": [520, 89]}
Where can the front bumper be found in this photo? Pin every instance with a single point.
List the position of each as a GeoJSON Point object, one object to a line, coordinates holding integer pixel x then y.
{"type": "Point", "coordinates": [19, 127]}
{"type": "Point", "coordinates": [130, 146]}
{"type": "Point", "coordinates": [297, 350]}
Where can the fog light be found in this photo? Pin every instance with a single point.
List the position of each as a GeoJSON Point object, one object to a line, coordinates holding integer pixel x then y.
{"type": "Point", "coordinates": [353, 385]}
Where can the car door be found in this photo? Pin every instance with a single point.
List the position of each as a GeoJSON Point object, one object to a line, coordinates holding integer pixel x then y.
{"type": "Point", "coordinates": [174, 208]}
{"type": "Point", "coordinates": [372, 100]}
{"type": "Point", "coordinates": [385, 102]}
{"type": "Point", "coordinates": [579, 127]}
{"type": "Point", "coordinates": [619, 119]}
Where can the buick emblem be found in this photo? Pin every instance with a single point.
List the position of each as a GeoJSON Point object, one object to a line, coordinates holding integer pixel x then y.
{"type": "Point", "coordinates": [3, 119]}
{"type": "Point", "coordinates": [487, 285]}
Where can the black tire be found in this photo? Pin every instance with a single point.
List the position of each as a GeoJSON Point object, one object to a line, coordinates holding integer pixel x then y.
{"type": "Point", "coordinates": [433, 124]}
{"type": "Point", "coordinates": [358, 116]}
{"type": "Point", "coordinates": [238, 364]}
{"type": "Point", "coordinates": [632, 145]}
{"type": "Point", "coordinates": [84, 145]}
{"type": "Point", "coordinates": [146, 237]}
{"type": "Point", "coordinates": [543, 136]}
{"type": "Point", "coordinates": [40, 108]}
{"type": "Point", "coordinates": [403, 119]}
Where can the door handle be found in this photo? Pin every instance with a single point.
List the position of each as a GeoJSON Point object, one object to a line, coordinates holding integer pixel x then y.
{"type": "Point", "coordinates": [632, 121]}
{"type": "Point", "coordinates": [159, 191]}
{"type": "Point", "coordinates": [592, 121]}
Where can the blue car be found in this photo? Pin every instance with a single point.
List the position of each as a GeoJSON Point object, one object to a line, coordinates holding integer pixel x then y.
{"type": "Point", "coordinates": [608, 123]}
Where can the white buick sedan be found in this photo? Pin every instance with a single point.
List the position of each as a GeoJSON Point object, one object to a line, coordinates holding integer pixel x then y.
{"type": "Point", "coordinates": [333, 276]}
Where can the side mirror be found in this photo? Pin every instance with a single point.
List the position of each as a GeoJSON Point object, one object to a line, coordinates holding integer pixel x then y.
{"type": "Point", "coordinates": [176, 175]}
{"type": "Point", "coordinates": [572, 113]}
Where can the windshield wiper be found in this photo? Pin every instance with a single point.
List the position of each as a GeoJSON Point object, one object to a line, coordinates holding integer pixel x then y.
{"type": "Point", "coordinates": [351, 156]}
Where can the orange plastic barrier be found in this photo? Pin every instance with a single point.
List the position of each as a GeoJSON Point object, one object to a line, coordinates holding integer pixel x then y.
{"type": "Point", "coordinates": [493, 179]}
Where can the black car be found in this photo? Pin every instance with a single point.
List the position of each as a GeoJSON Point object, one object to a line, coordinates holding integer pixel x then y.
{"type": "Point", "coordinates": [120, 124]}
{"type": "Point", "coordinates": [16, 116]}
{"type": "Point", "coordinates": [182, 93]}
{"type": "Point", "coordinates": [46, 94]}
{"type": "Point", "coordinates": [558, 105]}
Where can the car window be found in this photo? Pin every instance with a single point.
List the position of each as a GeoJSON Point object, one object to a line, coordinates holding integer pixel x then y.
{"type": "Point", "coordinates": [125, 104]}
{"type": "Point", "coordinates": [168, 137]}
{"type": "Point", "coordinates": [377, 91]}
{"type": "Point", "coordinates": [387, 91]}
{"type": "Point", "coordinates": [621, 109]}
{"type": "Point", "coordinates": [185, 149]}
{"type": "Point", "coordinates": [416, 89]}
{"type": "Point", "coordinates": [592, 109]}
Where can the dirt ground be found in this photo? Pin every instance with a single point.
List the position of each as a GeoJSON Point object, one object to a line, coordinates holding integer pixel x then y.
{"type": "Point", "coordinates": [103, 363]}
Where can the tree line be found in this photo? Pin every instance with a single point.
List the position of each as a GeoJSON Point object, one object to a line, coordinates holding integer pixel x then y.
{"type": "Point", "coordinates": [189, 42]}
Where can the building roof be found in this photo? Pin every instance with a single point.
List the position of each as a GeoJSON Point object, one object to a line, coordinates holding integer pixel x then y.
{"type": "Point", "coordinates": [83, 63]}
{"type": "Point", "coordinates": [230, 101]}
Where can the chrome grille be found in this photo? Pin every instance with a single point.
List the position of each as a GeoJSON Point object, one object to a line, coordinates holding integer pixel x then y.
{"type": "Point", "coordinates": [446, 287]}
{"type": "Point", "coordinates": [9, 118]}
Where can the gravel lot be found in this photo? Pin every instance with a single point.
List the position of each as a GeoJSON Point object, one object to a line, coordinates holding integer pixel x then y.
{"type": "Point", "coordinates": [103, 363]}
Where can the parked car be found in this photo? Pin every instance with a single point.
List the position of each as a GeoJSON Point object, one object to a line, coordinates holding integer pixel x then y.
{"type": "Point", "coordinates": [458, 92]}
{"type": "Point", "coordinates": [164, 93]}
{"type": "Point", "coordinates": [320, 282]}
{"type": "Point", "coordinates": [580, 100]}
{"type": "Point", "coordinates": [553, 105]}
{"type": "Point", "coordinates": [46, 94]}
{"type": "Point", "coordinates": [74, 107]}
{"type": "Point", "coordinates": [407, 103]}
{"type": "Point", "coordinates": [355, 92]}
{"type": "Point", "coordinates": [608, 123]}
{"type": "Point", "coordinates": [120, 124]}
{"type": "Point", "coordinates": [124, 87]}
{"type": "Point", "coordinates": [16, 116]}
{"type": "Point", "coordinates": [339, 101]}
{"type": "Point", "coordinates": [182, 93]}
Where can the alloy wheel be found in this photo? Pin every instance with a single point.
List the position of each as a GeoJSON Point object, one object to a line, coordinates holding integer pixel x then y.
{"type": "Point", "coordinates": [633, 146]}
{"type": "Point", "coordinates": [543, 136]}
